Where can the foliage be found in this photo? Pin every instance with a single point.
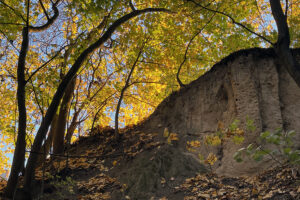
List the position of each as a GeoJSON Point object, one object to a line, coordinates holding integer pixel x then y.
{"type": "Point", "coordinates": [233, 132]}
{"type": "Point", "coordinates": [283, 141]}
{"type": "Point", "coordinates": [64, 186]}
{"type": "Point", "coordinates": [171, 137]}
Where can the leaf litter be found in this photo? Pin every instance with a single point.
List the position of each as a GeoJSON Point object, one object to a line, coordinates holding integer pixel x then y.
{"type": "Point", "coordinates": [89, 161]}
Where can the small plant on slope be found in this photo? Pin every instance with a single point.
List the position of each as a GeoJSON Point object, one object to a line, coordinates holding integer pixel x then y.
{"type": "Point", "coordinates": [282, 154]}
{"type": "Point", "coordinates": [233, 132]}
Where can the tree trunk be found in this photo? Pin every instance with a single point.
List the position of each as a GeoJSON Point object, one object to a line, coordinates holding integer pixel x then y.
{"type": "Point", "coordinates": [117, 134]}
{"type": "Point", "coordinates": [59, 135]}
{"type": "Point", "coordinates": [49, 141]}
{"type": "Point", "coordinates": [19, 154]}
{"type": "Point", "coordinates": [72, 128]}
{"type": "Point", "coordinates": [282, 47]}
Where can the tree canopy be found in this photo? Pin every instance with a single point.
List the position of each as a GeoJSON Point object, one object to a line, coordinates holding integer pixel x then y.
{"type": "Point", "coordinates": [140, 50]}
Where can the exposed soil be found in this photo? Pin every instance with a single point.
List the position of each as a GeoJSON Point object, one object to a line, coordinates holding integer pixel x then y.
{"type": "Point", "coordinates": [144, 166]}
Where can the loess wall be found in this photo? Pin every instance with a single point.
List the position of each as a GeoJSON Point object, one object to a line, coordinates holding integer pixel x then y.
{"type": "Point", "coordinates": [246, 83]}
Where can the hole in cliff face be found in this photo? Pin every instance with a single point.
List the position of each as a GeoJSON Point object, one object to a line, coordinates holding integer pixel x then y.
{"type": "Point", "coordinates": [222, 99]}
{"type": "Point", "coordinates": [216, 110]}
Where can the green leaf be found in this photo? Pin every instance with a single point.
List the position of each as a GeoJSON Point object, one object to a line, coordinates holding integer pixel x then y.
{"type": "Point", "coordinates": [242, 149]}
{"type": "Point", "coordinates": [294, 156]}
{"type": "Point", "coordinates": [250, 125]}
{"type": "Point", "coordinates": [250, 147]}
{"type": "Point", "coordinates": [258, 155]}
{"type": "Point", "coordinates": [234, 125]}
{"type": "Point", "coordinates": [291, 134]}
{"type": "Point", "coordinates": [265, 134]}
{"type": "Point", "coordinates": [238, 139]}
{"type": "Point", "coordinates": [200, 156]}
{"type": "Point", "coordinates": [287, 150]}
{"type": "Point", "coordinates": [275, 152]}
{"type": "Point", "coordinates": [274, 139]}
{"type": "Point", "coordinates": [278, 132]}
{"type": "Point", "coordinates": [237, 156]}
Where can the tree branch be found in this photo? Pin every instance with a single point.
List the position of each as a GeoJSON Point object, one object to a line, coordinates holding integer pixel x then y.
{"type": "Point", "coordinates": [140, 100]}
{"type": "Point", "coordinates": [49, 22]}
{"type": "Point", "coordinates": [103, 103]}
{"type": "Point", "coordinates": [186, 52]}
{"type": "Point", "coordinates": [11, 23]}
{"type": "Point", "coordinates": [233, 21]}
{"type": "Point", "coordinates": [117, 135]}
{"type": "Point", "coordinates": [286, 7]}
{"type": "Point", "coordinates": [36, 98]}
{"type": "Point", "coordinates": [45, 11]}
{"type": "Point", "coordinates": [11, 43]}
{"type": "Point", "coordinates": [131, 5]}
{"type": "Point", "coordinates": [46, 63]}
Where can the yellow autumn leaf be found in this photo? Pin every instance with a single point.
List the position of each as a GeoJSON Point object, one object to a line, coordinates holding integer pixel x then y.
{"type": "Point", "coordinates": [211, 159]}
{"type": "Point", "coordinates": [195, 143]}
{"type": "Point", "coordinates": [239, 131]}
{"type": "Point", "coordinates": [212, 140]}
{"type": "Point", "coordinates": [173, 136]}
{"type": "Point", "coordinates": [166, 133]}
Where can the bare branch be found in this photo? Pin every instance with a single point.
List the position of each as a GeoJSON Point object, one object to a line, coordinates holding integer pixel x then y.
{"type": "Point", "coordinates": [36, 99]}
{"type": "Point", "coordinates": [46, 63]}
{"type": "Point", "coordinates": [49, 22]}
{"type": "Point", "coordinates": [12, 44]}
{"type": "Point", "coordinates": [153, 63]}
{"type": "Point", "coordinates": [11, 23]}
{"type": "Point", "coordinates": [233, 21]}
{"type": "Point", "coordinates": [140, 100]}
{"type": "Point", "coordinates": [45, 11]}
{"type": "Point", "coordinates": [286, 7]}
{"type": "Point", "coordinates": [131, 5]}
{"type": "Point", "coordinates": [103, 103]}
{"type": "Point", "coordinates": [101, 25]}
{"type": "Point", "coordinates": [117, 135]}
{"type": "Point", "coordinates": [148, 82]}
{"type": "Point", "coordinates": [186, 51]}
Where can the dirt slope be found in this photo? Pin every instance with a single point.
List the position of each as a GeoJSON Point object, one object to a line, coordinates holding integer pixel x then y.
{"type": "Point", "coordinates": [98, 168]}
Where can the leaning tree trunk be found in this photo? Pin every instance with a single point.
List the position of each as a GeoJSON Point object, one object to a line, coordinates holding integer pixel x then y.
{"type": "Point", "coordinates": [49, 141]}
{"type": "Point", "coordinates": [59, 135]}
{"type": "Point", "coordinates": [72, 128]}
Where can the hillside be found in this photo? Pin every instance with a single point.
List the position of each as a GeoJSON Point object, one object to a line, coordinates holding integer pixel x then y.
{"type": "Point", "coordinates": [144, 165]}
{"type": "Point", "coordinates": [146, 168]}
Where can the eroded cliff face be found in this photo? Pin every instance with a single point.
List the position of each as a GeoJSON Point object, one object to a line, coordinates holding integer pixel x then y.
{"type": "Point", "coordinates": [249, 83]}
